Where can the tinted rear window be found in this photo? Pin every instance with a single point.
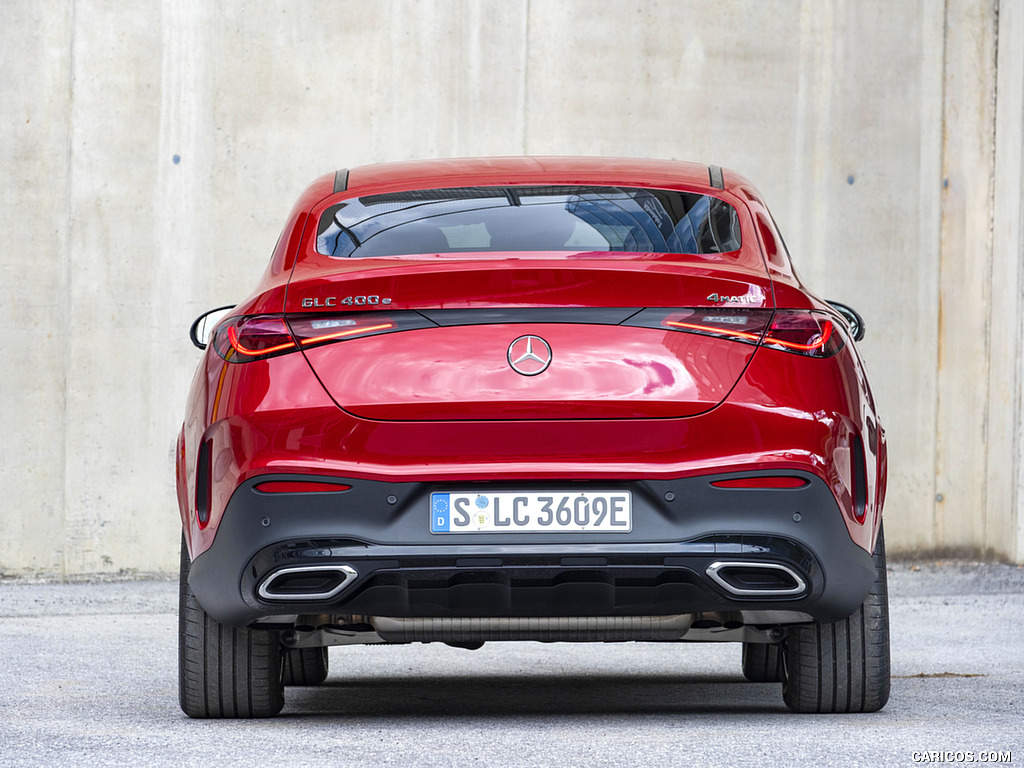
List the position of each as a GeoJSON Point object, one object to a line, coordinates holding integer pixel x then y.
{"type": "Point", "coordinates": [549, 218]}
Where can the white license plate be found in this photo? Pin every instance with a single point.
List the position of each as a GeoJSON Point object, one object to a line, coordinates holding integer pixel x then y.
{"type": "Point", "coordinates": [540, 512]}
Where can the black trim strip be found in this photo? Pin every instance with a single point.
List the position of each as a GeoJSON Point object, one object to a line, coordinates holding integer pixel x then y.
{"type": "Point", "coordinates": [586, 315]}
{"type": "Point", "coordinates": [341, 180]}
{"type": "Point", "coordinates": [715, 176]}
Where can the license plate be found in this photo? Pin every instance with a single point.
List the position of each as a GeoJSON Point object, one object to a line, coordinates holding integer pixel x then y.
{"type": "Point", "coordinates": [541, 512]}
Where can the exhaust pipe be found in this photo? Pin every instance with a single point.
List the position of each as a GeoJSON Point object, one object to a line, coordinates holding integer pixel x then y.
{"type": "Point", "coordinates": [306, 582]}
{"type": "Point", "coordinates": [747, 579]}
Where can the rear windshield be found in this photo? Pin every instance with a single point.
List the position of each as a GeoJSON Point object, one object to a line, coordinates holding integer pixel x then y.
{"type": "Point", "coordinates": [548, 218]}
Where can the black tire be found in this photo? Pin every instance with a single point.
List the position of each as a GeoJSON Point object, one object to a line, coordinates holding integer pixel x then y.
{"type": "Point", "coordinates": [224, 671]}
{"type": "Point", "coordinates": [762, 663]}
{"type": "Point", "coordinates": [843, 666]}
{"type": "Point", "coordinates": [305, 666]}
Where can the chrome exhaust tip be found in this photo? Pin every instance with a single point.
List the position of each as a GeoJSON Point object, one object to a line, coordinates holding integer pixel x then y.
{"type": "Point", "coordinates": [750, 579]}
{"type": "Point", "coordinates": [306, 582]}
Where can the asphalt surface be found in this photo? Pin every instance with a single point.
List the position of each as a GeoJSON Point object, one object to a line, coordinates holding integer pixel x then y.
{"type": "Point", "coordinates": [89, 677]}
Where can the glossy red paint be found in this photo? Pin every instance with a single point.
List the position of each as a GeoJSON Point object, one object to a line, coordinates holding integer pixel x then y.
{"type": "Point", "coordinates": [531, 280]}
{"type": "Point", "coordinates": [460, 373]}
{"type": "Point", "coordinates": [441, 403]}
{"type": "Point", "coordinates": [785, 413]}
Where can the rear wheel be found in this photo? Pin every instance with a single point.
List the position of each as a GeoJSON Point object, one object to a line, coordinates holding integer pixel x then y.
{"type": "Point", "coordinates": [762, 663]}
{"type": "Point", "coordinates": [842, 666]}
{"type": "Point", "coordinates": [305, 666]}
{"type": "Point", "coordinates": [224, 671]}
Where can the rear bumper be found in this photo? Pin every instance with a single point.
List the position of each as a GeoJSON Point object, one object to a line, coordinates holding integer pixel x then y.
{"type": "Point", "coordinates": [694, 548]}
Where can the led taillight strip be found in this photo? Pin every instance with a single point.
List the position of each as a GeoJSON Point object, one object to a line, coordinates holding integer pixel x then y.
{"type": "Point", "coordinates": [349, 332]}
{"type": "Point", "coordinates": [716, 331]}
{"type": "Point", "coordinates": [250, 352]}
{"type": "Point", "coordinates": [826, 334]}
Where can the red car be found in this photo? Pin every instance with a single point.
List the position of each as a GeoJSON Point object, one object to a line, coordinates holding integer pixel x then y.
{"type": "Point", "coordinates": [549, 399]}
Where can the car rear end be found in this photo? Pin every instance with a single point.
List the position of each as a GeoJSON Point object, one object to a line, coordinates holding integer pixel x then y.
{"type": "Point", "coordinates": [586, 412]}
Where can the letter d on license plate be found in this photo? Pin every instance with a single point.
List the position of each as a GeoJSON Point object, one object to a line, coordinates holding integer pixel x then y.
{"type": "Point", "coordinates": [533, 512]}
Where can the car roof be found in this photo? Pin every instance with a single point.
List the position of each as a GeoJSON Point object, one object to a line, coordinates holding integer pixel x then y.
{"type": "Point", "coordinates": [489, 171]}
{"type": "Point", "coordinates": [382, 178]}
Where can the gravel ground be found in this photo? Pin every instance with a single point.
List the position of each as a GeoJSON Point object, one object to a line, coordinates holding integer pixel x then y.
{"type": "Point", "coordinates": [89, 678]}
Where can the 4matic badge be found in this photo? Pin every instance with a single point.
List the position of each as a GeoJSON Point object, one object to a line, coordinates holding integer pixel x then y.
{"type": "Point", "coordinates": [745, 299]}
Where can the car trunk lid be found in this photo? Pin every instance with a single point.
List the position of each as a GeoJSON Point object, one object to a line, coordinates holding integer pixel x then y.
{"type": "Point", "coordinates": [529, 336]}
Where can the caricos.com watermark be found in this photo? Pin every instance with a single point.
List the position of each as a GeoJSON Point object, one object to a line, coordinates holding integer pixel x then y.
{"type": "Point", "coordinates": [960, 756]}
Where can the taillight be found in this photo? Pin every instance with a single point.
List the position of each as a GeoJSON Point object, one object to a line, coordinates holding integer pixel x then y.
{"type": "Point", "coordinates": [242, 339]}
{"type": "Point", "coordinates": [312, 331]}
{"type": "Point", "coordinates": [802, 332]}
{"type": "Point", "coordinates": [806, 333]}
{"type": "Point", "coordinates": [746, 325]}
{"type": "Point", "coordinates": [256, 337]}
{"type": "Point", "coordinates": [739, 325]}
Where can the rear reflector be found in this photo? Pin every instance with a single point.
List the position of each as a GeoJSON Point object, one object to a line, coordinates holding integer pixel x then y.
{"type": "Point", "coordinates": [300, 486]}
{"type": "Point", "coordinates": [761, 482]}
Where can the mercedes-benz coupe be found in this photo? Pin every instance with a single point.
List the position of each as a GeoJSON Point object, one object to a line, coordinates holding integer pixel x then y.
{"type": "Point", "coordinates": [531, 399]}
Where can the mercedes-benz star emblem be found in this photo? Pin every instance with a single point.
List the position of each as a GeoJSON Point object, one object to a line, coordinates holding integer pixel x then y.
{"type": "Point", "coordinates": [529, 355]}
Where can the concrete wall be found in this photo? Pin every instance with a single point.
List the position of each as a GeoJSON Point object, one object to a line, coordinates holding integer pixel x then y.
{"type": "Point", "coordinates": [151, 151]}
